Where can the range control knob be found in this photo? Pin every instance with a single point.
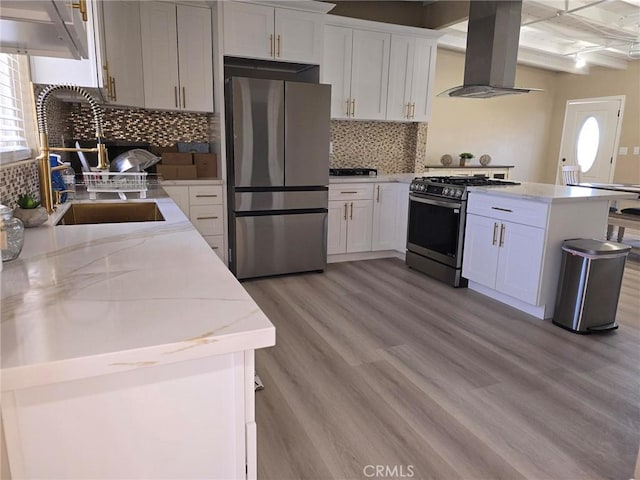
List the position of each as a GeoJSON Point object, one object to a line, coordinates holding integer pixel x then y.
{"type": "Point", "coordinates": [458, 193]}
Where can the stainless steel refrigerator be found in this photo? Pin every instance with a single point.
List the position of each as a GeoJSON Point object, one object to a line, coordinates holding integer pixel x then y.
{"type": "Point", "coordinates": [278, 171]}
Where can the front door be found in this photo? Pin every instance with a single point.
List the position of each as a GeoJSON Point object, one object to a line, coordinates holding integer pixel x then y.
{"type": "Point", "coordinates": [590, 137]}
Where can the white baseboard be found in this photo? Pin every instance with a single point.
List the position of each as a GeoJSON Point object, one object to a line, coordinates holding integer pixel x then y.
{"type": "Point", "coordinates": [538, 311]}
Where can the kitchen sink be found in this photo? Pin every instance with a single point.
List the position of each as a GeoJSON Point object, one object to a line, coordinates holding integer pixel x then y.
{"type": "Point", "coordinates": [91, 213]}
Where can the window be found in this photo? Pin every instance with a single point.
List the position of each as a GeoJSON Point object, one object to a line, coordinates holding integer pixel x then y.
{"type": "Point", "coordinates": [16, 118]}
{"type": "Point", "coordinates": [588, 142]}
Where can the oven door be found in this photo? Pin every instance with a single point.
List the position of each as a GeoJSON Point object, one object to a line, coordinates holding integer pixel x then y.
{"type": "Point", "coordinates": [436, 228]}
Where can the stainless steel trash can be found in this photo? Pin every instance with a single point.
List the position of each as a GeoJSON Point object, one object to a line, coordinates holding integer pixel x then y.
{"type": "Point", "coordinates": [589, 286]}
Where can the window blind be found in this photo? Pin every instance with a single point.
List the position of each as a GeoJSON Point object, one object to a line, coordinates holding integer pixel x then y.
{"type": "Point", "coordinates": [13, 138]}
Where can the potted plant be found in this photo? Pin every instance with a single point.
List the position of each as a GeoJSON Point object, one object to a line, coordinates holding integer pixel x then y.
{"type": "Point", "coordinates": [30, 211]}
{"type": "Point", "coordinates": [464, 156]}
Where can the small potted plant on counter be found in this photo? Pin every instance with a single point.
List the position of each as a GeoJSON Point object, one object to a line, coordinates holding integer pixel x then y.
{"type": "Point", "coordinates": [464, 156]}
{"type": "Point", "coordinates": [30, 211]}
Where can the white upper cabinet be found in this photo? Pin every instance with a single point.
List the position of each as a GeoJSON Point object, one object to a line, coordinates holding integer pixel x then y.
{"type": "Point", "coordinates": [336, 68]}
{"type": "Point", "coordinates": [51, 28]}
{"type": "Point", "coordinates": [115, 56]}
{"type": "Point", "coordinates": [356, 64]}
{"type": "Point", "coordinates": [122, 53]}
{"type": "Point", "coordinates": [411, 73]}
{"type": "Point", "coordinates": [259, 31]}
{"type": "Point", "coordinates": [177, 56]}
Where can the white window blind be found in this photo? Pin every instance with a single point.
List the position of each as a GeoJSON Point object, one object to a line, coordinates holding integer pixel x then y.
{"type": "Point", "coordinates": [13, 127]}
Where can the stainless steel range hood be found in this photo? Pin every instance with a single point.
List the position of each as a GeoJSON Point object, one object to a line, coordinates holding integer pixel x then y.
{"type": "Point", "coordinates": [492, 51]}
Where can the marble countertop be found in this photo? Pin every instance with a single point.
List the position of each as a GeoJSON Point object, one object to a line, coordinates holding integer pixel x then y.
{"type": "Point", "coordinates": [87, 300]}
{"type": "Point", "coordinates": [198, 181]}
{"type": "Point", "coordinates": [457, 165]}
{"type": "Point", "coordinates": [394, 178]}
{"type": "Point", "coordinates": [550, 193]}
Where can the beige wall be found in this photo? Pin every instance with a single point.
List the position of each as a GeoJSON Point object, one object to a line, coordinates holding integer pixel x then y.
{"type": "Point", "coordinates": [513, 129]}
{"type": "Point", "coordinates": [601, 83]}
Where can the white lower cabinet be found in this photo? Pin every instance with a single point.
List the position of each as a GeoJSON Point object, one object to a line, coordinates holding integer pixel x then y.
{"type": "Point", "coordinates": [349, 227]}
{"type": "Point", "coordinates": [202, 204]}
{"type": "Point", "coordinates": [385, 209]}
{"type": "Point", "coordinates": [504, 256]}
{"type": "Point", "coordinates": [367, 217]}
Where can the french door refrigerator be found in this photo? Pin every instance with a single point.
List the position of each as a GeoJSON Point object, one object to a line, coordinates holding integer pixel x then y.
{"type": "Point", "coordinates": [278, 171]}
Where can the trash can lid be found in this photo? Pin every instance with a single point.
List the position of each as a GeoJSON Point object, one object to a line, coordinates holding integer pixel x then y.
{"type": "Point", "coordinates": [595, 247]}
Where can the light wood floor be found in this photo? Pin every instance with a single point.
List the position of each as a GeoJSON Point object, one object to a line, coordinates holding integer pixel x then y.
{"type": "Point", "coordinates": [376, 364]}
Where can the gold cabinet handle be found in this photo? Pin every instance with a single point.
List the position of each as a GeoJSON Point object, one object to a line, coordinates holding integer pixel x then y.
{"type": "Point", "coordinates": [205, 196]}
{"type": "Point", "coordinates": [278, 54]}
{"type": "Point", "coordinates": [495, 233]}
{"type": "Point", "coordinates": [115, 94]}
{"type": "Point", "coordinates": [342, 193]}
{"type": "Point", "coordinates": [175, 95]}
{"type": "Point", "coordinates": [502, 229]}
{"type": "Point", "coordinates": [348, 109]}
{"type": "Point", "coordinates": [353, 107]}
{"type": "Point", "coordinates": [207, 218]}
{"type": "Point", "coordinates": [215, 248]}
{"type": "Point", "coordinates": [413, 110]}
{"type": "Point", "coordinates": [271, 45]}
{"type": "Point", "coordinates": [408, 113]}
{"type": "Point", "coordinates": [378, 194]}
{"type": "Point", "coordinates": [345, 211]}
{"type": "Point", "coordinates": [184, 97]}
{"type": "Point", "coordinates": [105, 67]}
{"type": "Point", "coordinates": [82, 6]}
{"type": "Point", "coordinates": [351, 215]}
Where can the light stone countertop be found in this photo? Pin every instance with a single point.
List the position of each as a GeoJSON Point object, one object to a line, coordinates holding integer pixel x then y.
{"type": "Point", "coordinates": [550, 193]}
{"type": "Point", "coordinates": [197, 181]}
{"type": "Point", "coordinates": [87, 300]}
{"type": "Point", "coordinates": [394, 178]}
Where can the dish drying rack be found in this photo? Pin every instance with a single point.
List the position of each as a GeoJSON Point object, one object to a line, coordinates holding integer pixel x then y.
{"type": "Point", "coordinates": [116, 182]}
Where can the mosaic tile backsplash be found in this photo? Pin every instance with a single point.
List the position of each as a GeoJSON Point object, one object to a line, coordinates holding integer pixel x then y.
{"type": "Point", "coordinates": [162, 129]}
{"type": "Point", "coordinates": [16, 179]}
{"type": "Point", "coordinates": [389, 147]}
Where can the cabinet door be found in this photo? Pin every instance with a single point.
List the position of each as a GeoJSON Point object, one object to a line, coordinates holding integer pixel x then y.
{"type": "Point", "coordinates": [180, 195]}
{"type": "Point", "coordinates": [370, 75]}
{"type": "Point", "coordinates": [402, 217]}
{"type": "Point", "coordinates": [385, 208]}
{"type": "Point", "coordinates": [520, 261]}
{"type": "Point", "coordinates": [336, 68]}
{"type": "Point", "coordinates": [359, 228]}
{"type": "Point", "coordinates": [248, 30]}
{"type": "Point", "coordinates": [298, 36]}
{"type": "Point", "coordinates": [423, 78]}
{"type": "Point", "coordinates": [159, 54]}
{"type": "Point", "coordinates": [480, 260]}
{"type": "Point", "coordinates": [75, 23]}
{"type": "Point", "coordinates": [123, 52]}
{"type": "Point", "coordinates": [337, 228]}
{"type": "Point", "coordinates": [195, 58]}
{"type": "Point", "coordinates": [400, 75]}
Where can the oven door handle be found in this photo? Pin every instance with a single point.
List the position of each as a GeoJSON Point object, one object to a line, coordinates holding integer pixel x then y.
{"type": "Point", "coordinates": [432, 201]}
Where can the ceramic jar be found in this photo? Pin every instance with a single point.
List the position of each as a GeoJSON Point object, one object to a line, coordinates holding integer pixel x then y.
{"type": "Point", "coordinates": [11, 234]}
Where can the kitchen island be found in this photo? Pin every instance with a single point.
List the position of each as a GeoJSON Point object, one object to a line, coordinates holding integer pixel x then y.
{"type": "Point", "coordinates": [128, 352]}
{"type": "Point", "coordinates": [514, 235]}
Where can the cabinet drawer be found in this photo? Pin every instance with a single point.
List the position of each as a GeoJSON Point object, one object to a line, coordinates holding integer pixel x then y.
{"type": "Point", "coordinates": [351, 191]}
{"type": "Point", "coordinates": [515, 210]}
{"type": "Point", "coordinates": [216, 242]}
{"type": "Point", "coordinates": [207, 219]}
{"type": "Point", "coordinates": [205, 195]}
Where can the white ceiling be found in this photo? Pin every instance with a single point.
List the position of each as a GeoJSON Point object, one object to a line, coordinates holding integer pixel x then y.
{"type": "Point", "coordinates": [553, 32]}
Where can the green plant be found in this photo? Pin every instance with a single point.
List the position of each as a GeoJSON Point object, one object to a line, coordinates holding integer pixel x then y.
{"type": "Point", "coordinates": [466, 155]}
{"type": "Point", "coordinates": [27, 202]}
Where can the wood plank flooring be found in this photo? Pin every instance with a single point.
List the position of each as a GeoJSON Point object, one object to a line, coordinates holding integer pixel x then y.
{"type": "Point", "coordinates": [376, 364]}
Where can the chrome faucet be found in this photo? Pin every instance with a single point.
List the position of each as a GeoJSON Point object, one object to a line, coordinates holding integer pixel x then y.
{"type": "Point", "coordinates": [44, 165]}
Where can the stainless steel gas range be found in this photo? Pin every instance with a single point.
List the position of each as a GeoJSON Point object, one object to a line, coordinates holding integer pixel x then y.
{"type": "Point", "coordinates": [437, 215]}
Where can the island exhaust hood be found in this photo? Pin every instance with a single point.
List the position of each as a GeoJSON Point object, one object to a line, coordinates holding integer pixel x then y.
{"type": "Point", "coordinates": [492, 51]}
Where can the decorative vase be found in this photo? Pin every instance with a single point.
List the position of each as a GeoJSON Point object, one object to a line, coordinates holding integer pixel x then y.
{"type": "Point", "coordinates": [31, 217]}
{"type": "Point", "coordinates": [462, 161]}
{"type": "Point", "coordinates": [11, 234]}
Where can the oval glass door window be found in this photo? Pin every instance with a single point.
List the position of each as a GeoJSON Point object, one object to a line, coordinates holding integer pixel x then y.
{"type": "Point", "coordinates": [588, 141]}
